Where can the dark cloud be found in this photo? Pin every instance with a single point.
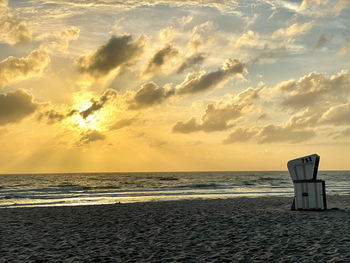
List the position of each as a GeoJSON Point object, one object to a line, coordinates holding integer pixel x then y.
{"type": "Point", "coordinates": [262, 117]}
{"type": "Point", "coordinates": [160, 58]}
{"type": "Point", "coordinates": [191, 61]}
{"type": "Point", "coordinates": [186, 127]}
{"type": "Point", "coordinates": [90, 136]}
{"type": "Point", "coordinates": [117, 52]}
{"type": "Point", "coordinates": [151, 94]}
{"type": "Point", "coordinates": [122, 123]}
{"type": "Point", "coordinates": [200, 82]}
{"type": "Point", "coordinates": [52, 116]}
{"type": "Point", "coordinates": [217, 117]}
{"type": "Point", "coordinates": [321, 42]}
{"type": "Point", "coordinates": [148, 95]}
{"type": "Point", "coordinates": [12, 69]}
{"type": "Point", "coordinates": [98, 104]}
{"type": "Point", "coordinates": [14, 106]}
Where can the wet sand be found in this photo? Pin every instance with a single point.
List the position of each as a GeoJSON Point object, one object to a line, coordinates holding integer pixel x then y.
{"type": "Point", "coordinates": [230, 230]}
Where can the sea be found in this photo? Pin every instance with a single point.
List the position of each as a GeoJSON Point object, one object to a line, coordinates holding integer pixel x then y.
{"type": "Point", "coordinates": [69, 189]}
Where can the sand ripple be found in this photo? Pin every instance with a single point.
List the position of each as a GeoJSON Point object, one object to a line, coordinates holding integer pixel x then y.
{"type": "Point", "coordinates": [233, 230]}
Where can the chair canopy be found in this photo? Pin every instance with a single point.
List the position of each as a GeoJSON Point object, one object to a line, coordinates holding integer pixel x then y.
{"type": "Point", "coordinates": [304, 168]}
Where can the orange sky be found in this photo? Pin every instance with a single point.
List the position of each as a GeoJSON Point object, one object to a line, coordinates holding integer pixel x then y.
{"type": "Point", "coordinates": [173, 85]}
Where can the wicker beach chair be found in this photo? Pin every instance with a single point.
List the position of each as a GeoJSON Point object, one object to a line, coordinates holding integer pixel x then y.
{"type": "Point", "coordinates": [309, 193]}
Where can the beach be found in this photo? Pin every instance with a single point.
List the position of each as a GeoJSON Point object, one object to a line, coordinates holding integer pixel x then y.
{"type": "Point", "coordinates": [221, 230]}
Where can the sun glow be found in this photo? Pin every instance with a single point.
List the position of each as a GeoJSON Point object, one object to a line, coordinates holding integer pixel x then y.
{"type": "Point", "coordinates": [91, 122]}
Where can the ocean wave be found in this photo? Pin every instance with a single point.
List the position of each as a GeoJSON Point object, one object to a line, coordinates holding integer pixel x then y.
{"type": "Point", "coordinates": [168, 179]}
{"type": "Point", "coordinates": [104, 187]}
{"type": "Point", "coordinates": [64, 185]}
{"type": "Point", "coordinates": [210, 185]}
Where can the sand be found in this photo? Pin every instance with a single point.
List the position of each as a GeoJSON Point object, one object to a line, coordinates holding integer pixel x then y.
{"type": "Point", "coordinates": [231, 230]}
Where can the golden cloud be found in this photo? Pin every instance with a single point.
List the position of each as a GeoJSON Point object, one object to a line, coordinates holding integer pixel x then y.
{"type": "Point", "coordinates": [13, 69]}
{"type": "Point", "coordinates": [218, 116]}
{"type": "Point", "coordinates": [293, 30]}
{"type": "Point", "coordinates": [13, 29]}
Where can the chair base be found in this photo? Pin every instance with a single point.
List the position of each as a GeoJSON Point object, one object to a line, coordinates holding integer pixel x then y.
{"type": "Point", "coordinates": [309, 195]}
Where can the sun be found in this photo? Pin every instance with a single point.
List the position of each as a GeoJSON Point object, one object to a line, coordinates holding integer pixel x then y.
{"type": "Point", "coordinates": [92, 122]}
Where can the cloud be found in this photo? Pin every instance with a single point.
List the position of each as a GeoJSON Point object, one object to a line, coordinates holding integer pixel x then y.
{"type": "Point", "coordinates": [160, 58]}
{"type": "Point", "coordinates": [239, 135]}
{"type": "Point", "coordinates": [186, 127]}
{"type": "Point", "coordinates": [346, 132]}
{"type": "Point", "coordinates": [270, 53]}
{"type": "Point", "coordinates": [248, 39]}
{"type": "Point", "coordinates": [318, 100]}
{"type": "Point", "coordinates": [151, 94]}
{"type": "Point", "coordinates": [321, 8]}
{"type": "Point", "coordinates": [61, 41]}
{"type": "Point", "coordinates": [53, 116]}
{"type": "Point", "coordinates": [344, 49]}
{"type": "Point", "coordinates": [98, 104]}
{"type": "Point", "coordinates": [3, 2]}
{"type": "Point", "coordinates": [293, 30]}
{"type": "Point", "coordinates": [273, 133]}
{"type": "Point", "coordinates": [270, 134]}
{"type": "Point", "coordinates": [117, 52]}
{"type": "Point", "coordinates": [262, 117]}
{"type": "Point", "coordinates": [340, 5]}
{"type": "Point", "coordinates": [201, 35]}
{"type": "Point", "coordinates": [218, 116]}
{"type": "Point", "coordinates": [337, 115]}
{"type": "Point", "coordinates": [148, 95]}
{"type": "Point", "coordinates": [315, 89]}
{"type": "Point", "coordinates": [191, 61]}
{"type": "Point", "coordinates": [167, 34]}
{"type": "Point", "coordinates": [198, 82]}
{"type": "Point", "coordinates": [321, 42]}
{"type": "Point", "coordinates": [90, 136]}
{"type": "Point", "coordinates": [122, 123]}
{"type": "Point", "coordinates": [308, 3]}
{"type": "Point", "coordinates": [222, 6]}
{"type": "Point", "coordinates": [14, 106]}
{"type": "Point", "coordinates": [13, 29]}
{"type": "Point", "coordinates": [13, 69]}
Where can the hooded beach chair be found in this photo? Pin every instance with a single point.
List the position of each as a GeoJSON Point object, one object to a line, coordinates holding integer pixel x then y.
{"type": "Point", "coordinates": [309, 193]}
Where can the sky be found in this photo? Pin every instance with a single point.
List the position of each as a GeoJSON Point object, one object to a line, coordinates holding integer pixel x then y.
{"type": "Point", "coordinates": [173, 85]}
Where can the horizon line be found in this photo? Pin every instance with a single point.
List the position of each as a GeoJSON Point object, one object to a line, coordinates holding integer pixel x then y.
{"type": "Point", "coordinates": [184, 171]}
